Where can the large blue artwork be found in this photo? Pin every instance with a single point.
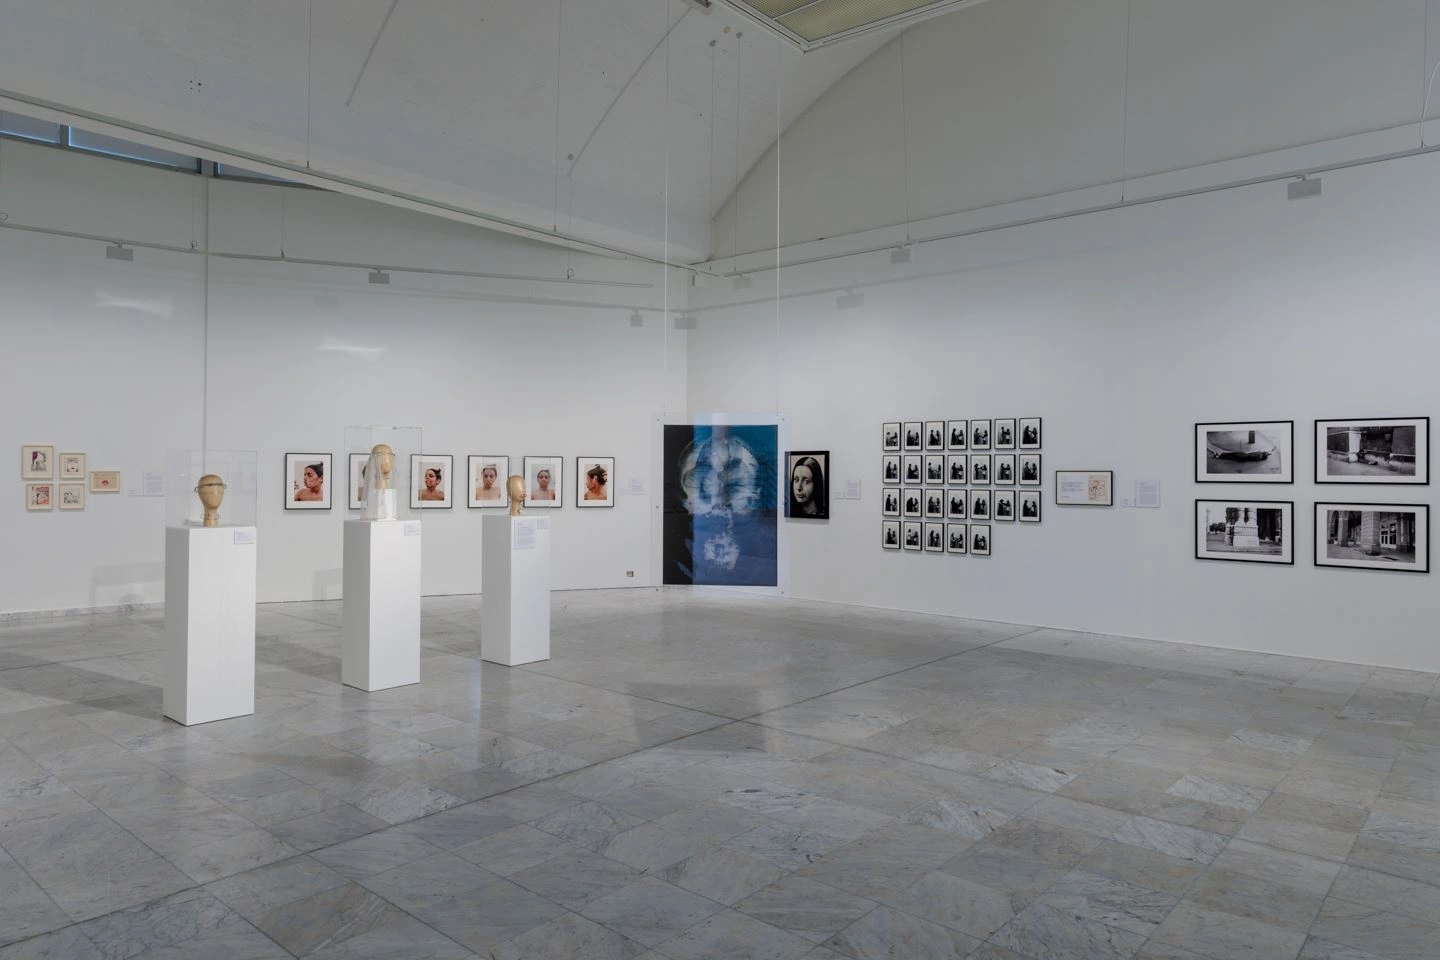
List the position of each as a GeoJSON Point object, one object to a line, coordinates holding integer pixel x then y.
{"type": "Point", "coordinates": [720, 504]}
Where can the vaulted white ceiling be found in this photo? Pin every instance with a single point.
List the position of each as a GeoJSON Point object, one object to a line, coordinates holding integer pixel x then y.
{"type": "Point", "coordinates": [563, 115]}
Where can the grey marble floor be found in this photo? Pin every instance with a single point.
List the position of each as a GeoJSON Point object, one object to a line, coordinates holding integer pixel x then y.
{"type": "Point", "coordinates": [713, 777]}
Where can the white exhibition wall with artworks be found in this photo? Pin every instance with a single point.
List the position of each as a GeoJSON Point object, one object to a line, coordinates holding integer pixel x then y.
{"type": "Point", "coordinates": [119, 360]}
{"type": "Point", "coordinates": [1121, 329]}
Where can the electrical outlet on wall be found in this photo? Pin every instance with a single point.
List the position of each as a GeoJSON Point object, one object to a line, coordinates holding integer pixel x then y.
{"type": "Point", "coordinates": [630, 573]}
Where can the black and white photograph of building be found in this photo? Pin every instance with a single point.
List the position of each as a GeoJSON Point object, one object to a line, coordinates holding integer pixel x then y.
{"type": "Point", "coordinates": [1255, 531]}
{"type": "Point", "coordinates": [1381, 452]}
{"type": "Point", "coordinates": [1373, 536]}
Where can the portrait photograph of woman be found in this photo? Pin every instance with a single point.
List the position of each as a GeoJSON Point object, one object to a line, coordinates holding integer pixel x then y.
{"type": "Point", "coordinates": [593, 481]}
{"type": "Point", "coordinates": [432, 477]}
{"type": "Point", "coordinates": [487, 481]}
{"type": "Point", "coordinates": [355, 487]}
{"type": "Point", "coordinates": [809, 494]}
{"type": "Point", "coordinates": [307, 481]}
{"type": "Point", "coordinates": [543, 478]}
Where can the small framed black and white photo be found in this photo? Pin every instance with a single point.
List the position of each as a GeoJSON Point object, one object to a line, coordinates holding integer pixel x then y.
{"type": "Point", "coordinates": [890, 466]}
{"type": "Point", "coordinates": [957, 538]}
{"type": "Point", "coordinates": [911, 503]}
{"type": "Point", "coordinates": [890, 502]}
{"type": "Point", "coordinates": [912, 436]}
{"type": "Point", "coordinates": [956, 472]}
{"type": "Point", "coordinates": [935, 468]}
{"type": "Point", "coordinates": [956, 505]}
{"type": "Point", "coordinates": [935, 504]}
{"type": "Point", "coordinates": [890, 534]}
{"type": "Point", "coordinates": [957, 434]}
{"type": "Point", "coordinates": [1029, 433]}
{"type": "Point", "coordinates": [979, 468]}
{"type": "Point", "coordinates": [1373, 536]}
{"type": "Point", "coordinates": [1005, 505]}
{"type": "Point", "coordinates": [979, 539]}
{"type": "Point", "coordinates": [980, 504]}
{"type": "Point", "coordinates": [1252, 531]}
{"type": "Point", "coordinates": [934, 435]}
{"type": "Point", "coordinates": [979, 434]}
{"type": "Point", "coordinates": [1389, 452]}
{"type": "Point", "coordinates": [1029, 506]}
{"type": "Point", "coordinates": [1005, 434]}
{"type": "Point", "coordinates": [910, 530]}
{"type": "Point", "coordinates": [1029, 469]}
{"type": "Point", "coordinates": [934, 538]}
{"type": "Point", "coordinates": [809, 497]}
{"type": "Point", "coordinates": [890, 437]}
{"type": "Point", "coordinates": [1004, 468]}
{"type": "Point", "coordinates": [1252, 451]}
{"type": "Point", "coordinates": [913, 467]}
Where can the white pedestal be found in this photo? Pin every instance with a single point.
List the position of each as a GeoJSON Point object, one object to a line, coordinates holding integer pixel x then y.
{"type": "Point", "coordinates": [209, 623]}
{"type": "Point", "coordinates": [515, 585]}
{"type": "Point", "coordinates": [380, 632]}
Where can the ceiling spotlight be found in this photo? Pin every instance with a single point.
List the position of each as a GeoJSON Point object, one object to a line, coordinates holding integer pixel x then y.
{"type": "Point", "coordinates": [1304, 188]}
{"type": "Point", "coordinates": [741, 282]}
{"type": "Point", "coordinates": [379, 276]}
{"type": "Point", "coordinates": [117, 251]}
{"type": "Point", "coordinates": [635, 319]}
{"type": "Point", "coordinates": [850, 300]}
{"type": "Point", "coordinates": [900, 254]}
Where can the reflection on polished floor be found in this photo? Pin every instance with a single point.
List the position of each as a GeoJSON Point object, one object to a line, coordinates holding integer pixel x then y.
{"type": "Point", "coordinates": [713, 777]}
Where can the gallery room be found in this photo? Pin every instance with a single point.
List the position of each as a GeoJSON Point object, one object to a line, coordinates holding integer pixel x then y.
{"type": "Point", "coordinates": [670, 479]}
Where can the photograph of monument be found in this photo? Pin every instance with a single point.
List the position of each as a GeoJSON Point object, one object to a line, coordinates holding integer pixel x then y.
{"type": "Point", "coordinates": [1392, 451]}
{"type": "Point", "coordinates": [1373, 536]}
{"type": "Point", "coordinates": [1255, 531]}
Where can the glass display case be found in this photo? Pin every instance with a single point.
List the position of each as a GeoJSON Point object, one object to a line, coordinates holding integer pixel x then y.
{"type": "Point", "coordinates": [221, 483]}
{"type": "Point", "coordinates": [378, 474]}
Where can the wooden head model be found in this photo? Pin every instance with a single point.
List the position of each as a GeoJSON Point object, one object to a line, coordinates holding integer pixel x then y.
{"type": "Point", "coordinates": [515, 486]}
{"type": "Point", "coordinates": [385, 460]}
{"type": "Point", "coordinates": [211, 490]}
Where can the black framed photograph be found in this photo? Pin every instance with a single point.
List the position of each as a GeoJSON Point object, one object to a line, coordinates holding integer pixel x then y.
{"type": "Point", "coordinates": [935, 468]}
{"type": "Point", "coordinates": [890, 502]}
{"type": "Point", "coordinates": [956, 469]}
{"type": "Point", "coordinates": [355, 480]}
{"type": "Point", "coordinates": [910, 534]}
{"type": "Point", "coordinates": [890, 437]}
{"type": "Point", "coordinates": [1029, 469]}
{"type": "Point", "coordinates": [912, 436]}
{"type": "Point", "coordinates": [934, 538]}
{"type": "Point", "coordinates": [956, 505]}
{"type": "Point", "coordinates": [1391, 451]}
{"type": "Point", "coordinates": [890, 466]}
{"type": "Point", "coordinates": [1005, 434]}
{"type": "Point", "coordinates": [432, 477]}
{"type": "Point", "coordinates": [957, 538]}
{"type": "Point", "coordinates": [544, 482]}
{"type": "Point", "coordinates": [980, 504]}
{"type": "Point", "coordinates": [979, 468]}
{"type": "Point", "coordinates": [979, 434]}
{"type": "Point", "coordinates": [592, 481]}
{"type": "Point", "coordinates": [1253, 451]}
{"type": "Point", "coordinates": [307, 481]}
{"type": "Point", "coordinates": [1252, 531]}
{"type": "Point", "coordinates": [1004, 505]}
{"type": "Point", "coordinates": [935, 504]}
{"type": "Point", "coordinates": [934, 434]}
{"type": "Point", "coordinates": [912, 503]}
{"type": "Point", "coordinates": [809, 497]}
{"type": "Point", "coordinates": [1029, 506]}
{"type": "Point", "coordinates": [980, 539]}
{"type": "Point", "coordinates": [957, 434]}
{"type": "Point", "coordinates": [1004, 464]}
{"type": "Point", "coordinates": [1029, 433]}
{"type": "Point", "coordinates": [890, 534]}
{"type": "Point", "coordinates": [1084, 488]}
{"type": "Point", "coordinates": [913, 467]}
{"type": "Point", "coordinates": [1373, 536]}
{"type": "Point", "coordinates": [488, 474]}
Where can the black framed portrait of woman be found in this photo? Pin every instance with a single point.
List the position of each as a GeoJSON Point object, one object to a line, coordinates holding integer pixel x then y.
{"type": "Point", "coordinates": [809, 491]}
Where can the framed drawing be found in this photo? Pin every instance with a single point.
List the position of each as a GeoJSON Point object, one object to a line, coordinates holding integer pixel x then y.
{"type": "Point", "coordinates": [890, 437]}
{"type": "Point", "coordinates": [1253, 531]}
{"type": "Point", "coordinates": [1084, 488]}
{"type": "Point", "coordinates": [593, 474]}
{"type": "Point", "coordinates": [956, 434]}
{"type": "Point", "coordinates": [980, 504]}
{"type": "Point", "coordinates": [890, 502]}
{"type": "Point", "coordinates": [1373, 536]}
{"type": "Point", "coordinates": [1029, 433]}
{"type": "Point", "coordinates": [979, 434]}
{"type": "Point", "coordinates": [1004, 468]}
{"type": "Point", "coordinates": [1005, 505]}
{"type": "Point", "coordinates": [355, 480]}
{"type": "Point", "coordinates": [72, 496]}
{"type": "Point", "coordinates": [912, 435]}
{"type": "Point", "coordinates": [1029, 469]}
{"type": "Point", "coordinates": [979, 468]}
{"type": "Point", "coordinates": [809, 497]}
{"type": "Point", "coordinates": [913, 467]}
{"type": "Point", "coordinates": [1394, 451]}
{"type": "Point", "coordinates": [307, 481]}
{"type": "Point", "coordinates": [1005, 434]}
{"type": "Point", "coordinates": [37, 462]}
{"type": "Point", "coordinates": [979, 539]}
{"type": "Point", "coordinates": [911, 532]}
{"type": "Point", "coordinates": [956, 505]}
{"type": "Point", "coordinates": [911, 503]}
{"type": "Point", "coordinates": [890, 466]}
{"type": "Point", "coordinates": [39, 496]}
{"type": "Point", "coordinates": [432, 481]}
{"type": "Point", "coordinates": [544, 477]}
{"type": "Point", "coordinates": [890, 534]}
{"type": "Point", "coordinates": [72, 467]}
{"type": "Point", "coordinates": [104, 481]}
{"type": "Point", "coordinates": [1258, 451]}
{"type": "Point", "coordinates": [934, 435]}
{"type": "Point", "coordinates": [1029, 506]}
{"type": "Point", "coordinates": [956, 469]}
{"type": "Point", "coordinates": [957, 537]}
{"type": "Point", "coordinates": [935, 468]}
{"type": "Point", "coordinates": [935, 504]}
{"type": "Point", "coordinates": [934, 538]}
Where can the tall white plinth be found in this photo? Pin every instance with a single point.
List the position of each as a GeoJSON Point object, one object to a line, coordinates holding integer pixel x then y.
{"type": "Point", "coordinates": [380, 632]}
{"type": "Point", "coordinates": [209, 623]}
{"type": "Point", "coordinates": [515, 590]}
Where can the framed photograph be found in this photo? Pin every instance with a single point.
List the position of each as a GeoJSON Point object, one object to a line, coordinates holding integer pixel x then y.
{"type": "Point", "coordinates": [72, 467]}
{"type": "Point", "coordinates": [809, 497]}
{"type": "Point", "coordinates": [544, 479]}
{"type": "Point", "coordinates": [910, 530]}
{"type": "Point", "coordinates": [980, 501]}
{"type": "Point", "coordinates": [486, 475]}
{"type": "Point", "coordinates": [1029, 506]}
{"type": "Point", "coordinates": [911, 504]}
{"type": "Point", "coordinates": [104, 481]}
{"type": "Point", "coordinates": [72, 496]}
{"type": "Point", "coordinates": [1253, 531]}
{"type": "Point", "coordinates": [432, 481]}
{"type": "Point", "coordinates": [1373, 536]}
{"type": "Point", "coordinates": [1004, 465]}
{"type": "Point", "coordinates": [1005, 434]}
{"type": "Point", "coordinates": [39, 496]}
{"type": "Point", "coordinates": [979, 434]}
{"type": "Point", "coordinates": [593, 476]}
{"type": "Point", "coordinates": [935, 468]}
{"type": "Point", "coordinates": [1005, 505]}
{"type": "Point", "coordinates": [957, 434]}
{"type": "Point", "coordinates": [355, 480]}
{"type": "Point", "coordinates": [1029, 469]}
{"type": "Point", "coordinates": [307, 481]}
{"type": "Point", "coordinates": [979, 468]}
{"type": "Point", "coordinates": [890, 502]}
{"type": "Point", "coordinates": [890, 534]}
{"type": "Point", "coordinates": [934, 538]}
{"type": "Point", "coordinates": [37, 462]}
{"type": "Point", "coordinates": [934, 435]}
{"type": "Point", "coordinates": [890, 437]}
{"type": "Point", "coordinates": [957, 538]}
{"type": "Point", "coordinates": [1084, 488]}
{"type": "Point", "coordinates": [1391, 451]}
{"type": "Point", "coordinates": [979, 539]}
{"type": "Point", "coordinates": [956, 505]}
{"type": "Point", "coordinates": [935, 504]}
{"type": "Point", "coordinates": [956, 469]}
{"type": "Point", "coordinates": [1261, 451]}
{"type": "Point", "coordinates": [890, 466]}
{"type": "Point", "coordinates": [1029, 433]}
{"type": "Point", "coordinates": [912, 437]}
{"type": "Point", "coordinates": [914, 467]}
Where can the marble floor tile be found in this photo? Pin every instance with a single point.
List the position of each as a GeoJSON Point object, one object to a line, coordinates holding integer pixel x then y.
{"type": "Point", "coordinates": [574, 879]}
{"type": "Point", "coordinates": [375, 853]}
{"type": "Point", "coordinates": [722, 874]}
{"type": "Point", "coordinates": [804, 907]}
{"type": "Point", "coordinates": [566, 937]}
{"type": "Point", "coordinates": [729, 935]}
{"type": "Point", "coordinates": [66, 944]}
{"type": "Point", "coordinates": [325, 919]}
{"type": "Point", "coordinates": [650, 911]}
{"type": "Point", "coordinates": [1216, 935]}
{"type": "Point", "coordinates": [959, 904]}
{"type": "Point", "coordinates": [486, 916]}
{"type": "Point", "coordinates": [1379, 931]}
{"type": "Point", "coordinates": [1058, 932]}
{"type": "Point", "coordinates": [888, 933]}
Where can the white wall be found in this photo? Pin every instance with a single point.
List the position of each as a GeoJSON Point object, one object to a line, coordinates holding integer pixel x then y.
{"type": "Point", "coordinates": [1121, 330]}
{"type": "Point", "coordinates": [112, 359]}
